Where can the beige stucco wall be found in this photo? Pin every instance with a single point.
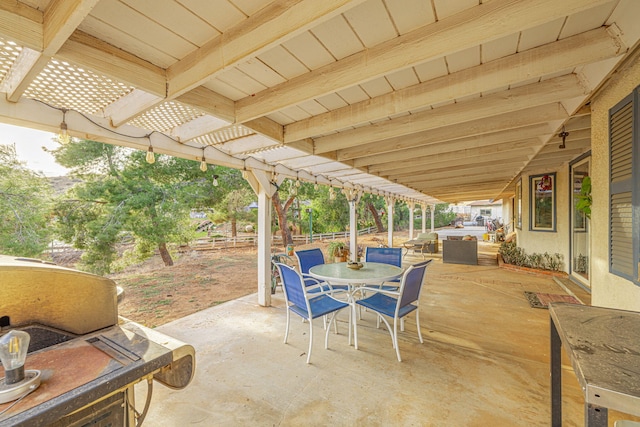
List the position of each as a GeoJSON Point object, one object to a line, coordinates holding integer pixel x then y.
{"type": "Point", "coordinates": [608, 290]}
{"type": "Point", "coordinates": [547, 241]}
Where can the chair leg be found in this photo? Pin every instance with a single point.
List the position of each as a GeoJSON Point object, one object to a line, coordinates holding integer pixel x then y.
{"type": "Point", "coordinates": [418, 326]}
{"type": "Point", "coordinates": [326, 334]}
{"type": "Point", "coordinates": [286, 331]}
{"type": "Point", "coordinates": [395, 339]}
{"type": "Point", "coordinates": [310, 340]}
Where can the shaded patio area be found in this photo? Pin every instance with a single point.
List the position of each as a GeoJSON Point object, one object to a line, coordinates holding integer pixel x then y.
{"type": "Point", "coordinates": [485, 361]}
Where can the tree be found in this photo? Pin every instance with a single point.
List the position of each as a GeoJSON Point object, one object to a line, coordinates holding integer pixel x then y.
{"type": "Point", "coordinates": [25, 199]}
{"type": "Point", "coordinates": [232, 208]}
{"type": "Point", "coordinates": [122, 195]}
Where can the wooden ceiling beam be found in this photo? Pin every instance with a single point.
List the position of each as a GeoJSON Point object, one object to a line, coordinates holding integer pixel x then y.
{"type": "Point", "coordinates": [455, 115]}
{"type": "Point", "coordinates": [60, 20]}
{"type": "Point", "coordinates": [470, 170]}
{"type": "Point", "coordinates": [464, 157]}
{"type": "Point", "coordinates": [547, 59]}
{"type": "Point", "coordinates": [455, 33]}
{"type": "Point", "coordinates": [448, 138]}
{"type": "Point", "coordinates": [523, 118]}
{"type": "Point", "coordinates": [509, 101]}
{"type": "Point", "coordinates": [105, 59]}
{"type": "Point", "coordinates": [428, 169]}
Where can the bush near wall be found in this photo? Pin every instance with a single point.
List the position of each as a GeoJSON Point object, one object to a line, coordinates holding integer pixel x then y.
{"type": "Point", "coordinates": [512, 254]}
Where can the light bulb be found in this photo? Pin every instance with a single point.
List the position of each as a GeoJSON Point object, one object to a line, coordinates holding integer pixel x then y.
{"type": "Point", "coordinates": [315, 187]}
{"type": "Point", "coordinates": [215, 180]}
{"type": "Point", "coordinates": [63, 136]}
{"type": "Point", "coordinates": [13, 352]}
{"type": "Point", "coordinates": [151, 158]}
{"type": "Point", "coordinates": [203, 165]}
{"type": "Point", "coordinates": [297, 183]}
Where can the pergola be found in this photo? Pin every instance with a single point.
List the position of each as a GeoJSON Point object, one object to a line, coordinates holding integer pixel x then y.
{"type": "Point", "coordinates": [414, 100]}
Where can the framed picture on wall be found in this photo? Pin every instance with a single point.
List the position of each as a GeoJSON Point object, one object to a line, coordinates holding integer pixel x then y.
{"type": "Point", "coordinates": [542, 212]}
{"type": "Point", "coordinates": [518, 205]}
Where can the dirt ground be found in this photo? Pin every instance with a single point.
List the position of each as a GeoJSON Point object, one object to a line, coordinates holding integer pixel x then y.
{"type": "Point", "coordinates": [155, 294]}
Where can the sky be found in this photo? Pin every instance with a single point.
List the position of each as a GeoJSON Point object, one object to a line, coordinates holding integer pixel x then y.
{"type": "Point", "coordinates": [29, 143]}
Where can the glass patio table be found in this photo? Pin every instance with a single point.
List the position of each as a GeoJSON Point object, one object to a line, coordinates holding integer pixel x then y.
{"type": "Point", "coordinates": [371, 273]}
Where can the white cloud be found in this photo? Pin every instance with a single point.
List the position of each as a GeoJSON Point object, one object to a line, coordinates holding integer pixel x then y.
{"type": "Point", "coordinates": [29, 143]}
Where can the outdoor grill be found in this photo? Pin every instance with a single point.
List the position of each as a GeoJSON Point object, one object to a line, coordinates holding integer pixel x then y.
{"type": "Point", "coordinates": [89, 358]}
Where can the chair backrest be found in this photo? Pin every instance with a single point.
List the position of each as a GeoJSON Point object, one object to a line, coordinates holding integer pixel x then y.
{"type": "Point", "coordinates": [392, 256]}
{"type": "Point", "coordinates": [292, 283]}
{"type": "Point", "coordinates": [412, 281]}
{"type": "Point", "coordinates": [309, 258]}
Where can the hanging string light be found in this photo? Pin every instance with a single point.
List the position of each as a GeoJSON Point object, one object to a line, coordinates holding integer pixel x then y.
{"type": "Point", "coordinates": [203, 162]}
{"type": "Point", "coordinates": [215, 180]}
{"type": "Point", "coordinates": [63, 136]}
{"type": "Point", "coordinates": [151, 158]}
{"type": "Point", "coordinates": [315, 186]}
{"type": "Point", "coordinates": [332, 195]}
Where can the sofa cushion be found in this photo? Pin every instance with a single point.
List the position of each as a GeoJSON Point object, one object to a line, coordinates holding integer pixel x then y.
{"type": "Point", "coordinates": [427, 236]}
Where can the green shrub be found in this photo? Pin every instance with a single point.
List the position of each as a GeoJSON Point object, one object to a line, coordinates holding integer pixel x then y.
{"type": "Point", "coordinates": [512, 254]}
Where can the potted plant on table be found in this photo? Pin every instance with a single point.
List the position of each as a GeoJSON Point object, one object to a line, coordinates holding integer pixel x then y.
{"type": "Point", "coordinates": [338, 251]}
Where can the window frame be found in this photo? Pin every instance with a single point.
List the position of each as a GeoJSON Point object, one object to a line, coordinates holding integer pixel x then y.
{"type": "Point", "coordinates": [533, 183]}
{"type": "Point", "coordinates": [518, 207]}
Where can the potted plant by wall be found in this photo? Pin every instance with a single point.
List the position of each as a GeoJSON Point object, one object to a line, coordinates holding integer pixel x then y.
{"type": "Point", "coordinates": [338, 251]}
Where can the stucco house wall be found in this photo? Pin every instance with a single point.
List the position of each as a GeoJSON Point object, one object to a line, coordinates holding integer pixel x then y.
{"type": "Point", "coordinates": [547, 241]}
{"type": "Point", "coordinates": [608, 290]}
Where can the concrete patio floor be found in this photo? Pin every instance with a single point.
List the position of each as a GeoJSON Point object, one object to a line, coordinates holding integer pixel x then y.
{"type": "Point", "coordinates": [484, 362]}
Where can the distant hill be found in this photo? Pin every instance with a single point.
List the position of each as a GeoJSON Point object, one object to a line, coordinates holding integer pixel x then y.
{"type": "Point", "coordinates": [61, 184]}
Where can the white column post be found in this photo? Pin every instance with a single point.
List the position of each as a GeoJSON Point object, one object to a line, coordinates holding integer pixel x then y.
{"type": "Point", "coordinates": [353, 231]}
{"type": "Point", "coordinates": [433, 217]}
{"type": "Point", "coordinates": [261, 185]}
{"type": "Point", "coordinates": [390, 202]}
{"type": "Point", "coordinates": [411, 206]}
{"type": "Point", "coordinates": [424, 218]}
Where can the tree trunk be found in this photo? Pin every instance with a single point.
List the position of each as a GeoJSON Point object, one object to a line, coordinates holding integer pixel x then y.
{"type": "Point", "coordinates": [234, 227]}
{"type": "Point", "coordinates": [376, 217]}
{"type": "Point", "coordinates": [281, 211]}
{"type": "Point", "coordinates": [166, 256]}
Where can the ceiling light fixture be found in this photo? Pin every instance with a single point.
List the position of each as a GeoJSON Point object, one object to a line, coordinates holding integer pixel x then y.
{"type": "Point", "coordinates": [64, 137]}
{"type": "Point", "coordinates": [151, 158]}
{"type": "Point", "coordinates": [564, 134]}
{"type": "Point", "coordinates": [203, 162]}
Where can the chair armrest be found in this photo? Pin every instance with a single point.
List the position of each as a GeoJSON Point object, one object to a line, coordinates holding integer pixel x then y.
{"type": "Point", "coordinates": [382, 291]}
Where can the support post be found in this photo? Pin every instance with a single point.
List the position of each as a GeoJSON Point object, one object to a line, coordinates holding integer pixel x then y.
{"type": "Point", "coordinates": [353, 231]}
{"type": "Point", "coordinates": [261, 185]}
{"type": "Point", "coordinates": [424, 218]}
{"type": "Point", "coordinates": [433, 218]}
{"type": "Point", "coordinates": [390, 202]}
{"type": "Point", "coordinates": [412, 207]}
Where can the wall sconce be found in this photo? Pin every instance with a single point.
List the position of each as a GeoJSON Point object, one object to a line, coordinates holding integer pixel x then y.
{"type": "Point", "coordinates": [564, 134]}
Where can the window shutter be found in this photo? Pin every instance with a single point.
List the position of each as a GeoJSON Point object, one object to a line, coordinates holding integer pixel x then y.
{"type": "Point", "coordinates": [621, 189]}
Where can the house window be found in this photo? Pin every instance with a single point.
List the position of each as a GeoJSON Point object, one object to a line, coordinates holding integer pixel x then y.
{"type": "Point", "coordinates": [543, 202]}
{"type": "Point", "coordinates": [485, 212]}
{"type": "Point", "coordinates": [624, 190]}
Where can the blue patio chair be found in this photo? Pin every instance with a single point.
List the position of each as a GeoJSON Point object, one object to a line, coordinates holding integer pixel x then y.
{"type": "Point", "coordinates": [310, 258]}
{"type": "Point", "coordinates": [308, 305]}
{"type": "Point", "coordinates": [398, 304]}
{"type": "Point", "coordinates": [392, 256]}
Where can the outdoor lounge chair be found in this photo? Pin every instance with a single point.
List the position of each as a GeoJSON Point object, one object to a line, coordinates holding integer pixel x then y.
{"type": "Point", "coordinates": [308, 305]}
{"type": "Point", "coordinates": [398, 304]}
{"type": "Point", "coordinates": [424, 243]}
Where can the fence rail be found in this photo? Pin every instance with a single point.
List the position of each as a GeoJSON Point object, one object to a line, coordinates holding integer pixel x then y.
{"type": "Point", "coordinates": [242, 241]}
